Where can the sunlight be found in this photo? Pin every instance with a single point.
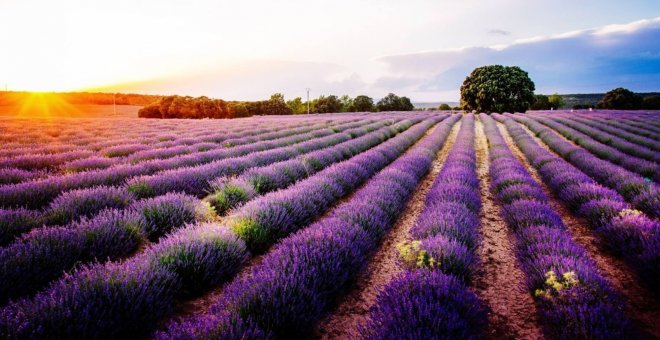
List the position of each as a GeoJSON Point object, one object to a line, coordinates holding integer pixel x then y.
{"type": "Point", "coordinates": [46, 105]}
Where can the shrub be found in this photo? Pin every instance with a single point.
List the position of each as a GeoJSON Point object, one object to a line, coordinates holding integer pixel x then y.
{"type": "Point", "coordinates": [162, 214]}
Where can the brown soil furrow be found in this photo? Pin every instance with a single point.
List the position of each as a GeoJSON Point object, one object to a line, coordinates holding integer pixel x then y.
{"type": "Point", "coordinates": [500, 282]}
{"type": "Point", "coordinates": [353, 309]}
{"type": "Point", "coordinates": [200, 304]}
{"type": "Point", "coordinates": [642, 305]}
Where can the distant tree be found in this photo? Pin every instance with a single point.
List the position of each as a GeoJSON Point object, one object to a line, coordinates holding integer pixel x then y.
{"type": "Point", "coordinates": [444, 107]}
{"type": "Point", "coordinates": [405, 104]}
{"type": "Point", "coordinates": [296, 105]}
{"type": "Point", "coordinates": [556, 101]}
{"type": "Point", "coordinates": [541, 102]}
{"type": "Point", "coordinates": [363, 104]}
{"type": "Point", "coordinates": [620, 99]}
{"type": "Point", "coordinates": [651, 103]}
{"type": "Point", "coordinates": [497, 88]}
{"type": "Point", "coordinates": [346, 104]}
{"type": "Point", "coordinates": [392, 102]}
{"type": "Point", "coordinates": [327, 104]}
{"type": "Point", "coordinates": [456, 108]}
{"type": "Point", "coordinates": [150, 111]}
{"type": "Point", "coordinates": [276, 105]}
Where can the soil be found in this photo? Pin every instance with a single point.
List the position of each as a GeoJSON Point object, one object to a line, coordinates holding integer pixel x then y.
{"type": "Point", "coordinates": [642, 306]}
{"type": "Point", "coordinates": [353, 310]}
{"type": "Point", "coordinates": [500, 282]}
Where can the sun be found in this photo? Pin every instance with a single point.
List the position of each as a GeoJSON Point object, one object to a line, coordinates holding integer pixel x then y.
{"type": "Point", "coordinates": [45, 105]}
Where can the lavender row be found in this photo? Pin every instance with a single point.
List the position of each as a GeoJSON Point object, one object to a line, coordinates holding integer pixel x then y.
{"type": "Point", "coordinates": [14, 254]}
{"type": "Point", "coordinates": [71, 205]}
{"type": "Point", "coordinates": [295, 284]}
{"type": "Point", "coordinates": [118, 153]}
{"type": "Point", "coordinates": [230, 192]}
{"type": "Point", "coordinates": [430, 300]}
{"type": "Point", "coordinates": [42, 255]}
{"type": "Point", "coordinates": [633, 164]}
{"type": "Point", "coordinates": [129, 298]}
{"type": "Point", "coordinates": [268, 218]}
{"type": "Point", "coordinates": [126, 299]}
{"type": "Point", "coordinates": [639, 192]}
{"type": "Point", "coordinates": [600, 133]}
{"type": "Point", "coordinates": [196, 180]}
{"type": "Point", "coordinates": [641, 128]}
{"type": "Point", "coordinates": [573, 300]}
{"type": "Point", "coordinates": [190, 147]}
{"type": "Point", "coordinates": [38, 193]}
{"type": "Point", "coordinates": [630, 233]}
{"type": "Point", "coordinates": [621, 134]}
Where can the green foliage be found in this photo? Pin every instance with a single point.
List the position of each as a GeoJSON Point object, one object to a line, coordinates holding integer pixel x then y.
{"type": "Point", "coordinates": [556, 101]}
{"type": "Point", "coordinates": [541, 102]}
{"type": "Point", "coordinates": [297, 106]}
{"type": "Point", "coordinates": [327, 104]}
{"type": "Point", "coordinates": [363, 104]}
{"type": "Point", "coordinates": [651, 103]}
{"type": "Point", "coordinates": [347, 104]}
{"type": "Point", "coordinates": [203, 107]}
{"type": "Point", "coordinates": [620, 99]}
{"type": "Point", "coordinates": [497, 88]}
{"type": "Point", "coordinates": [392, 102]}
{"type": "Point", "coordinates": [444, 107]}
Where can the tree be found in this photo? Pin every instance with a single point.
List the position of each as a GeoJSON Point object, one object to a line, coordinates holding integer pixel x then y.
{"type": "Point", "coordinates": [327, 104]}
{"type": "Point", "coordinates": [346, 104]}
{"type": "Point", "coordinates": [541, 102]}
{"type": "Point", "coordinates": [444, 107]}
{"type": "Point", "coordinates": [497, 88]}
{"type": "Point", "coordinates": [620, 99]}
{"type": "Point", "coordinates": [392, 102]}
{"type": "Point", "coordinates": [297, 106]}
{"type": "Point", "coordinates": [405, 104]}
{"type": "Point", "coordinates": [363, 104]}
{"type": "Point", "coordinates": [651, 103]}
{"type": "Point", "coordinates": [556, 101]}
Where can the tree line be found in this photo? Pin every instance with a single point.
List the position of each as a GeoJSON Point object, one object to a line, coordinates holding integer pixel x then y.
{"type": "Point", "coordinates": [204, 107]}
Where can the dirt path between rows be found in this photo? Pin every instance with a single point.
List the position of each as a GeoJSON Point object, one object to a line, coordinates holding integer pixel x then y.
{"type": "Point", "coordinates": [642, 306]}
{"type": "Point", "coordinates": [500, 282]}
{"type": "Point", "coordinates": [353, 310]}
{"type": "Point", "coordinates": [201, 304]}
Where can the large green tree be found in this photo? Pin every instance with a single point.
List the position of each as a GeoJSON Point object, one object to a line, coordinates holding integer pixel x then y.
{"type": "Point", "coordinates": [556, 101]}
{"type": "Point", "coordinates": [392, 102]}
{"type": "Point", "coordinates": [327, 104]}
{"type": "Point", "coordinates": [620, 99]}
{"type": "Point", "coordinates": [497, 88]}
{"type": "Point", "coordinates": [363, 104]}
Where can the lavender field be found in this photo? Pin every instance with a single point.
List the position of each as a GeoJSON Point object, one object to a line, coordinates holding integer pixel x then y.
{"type": "Point", "coordinates": [390, 225]}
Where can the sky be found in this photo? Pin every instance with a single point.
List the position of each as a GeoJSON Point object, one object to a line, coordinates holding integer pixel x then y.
{"type": "Point", "coordinates": [247, 50]}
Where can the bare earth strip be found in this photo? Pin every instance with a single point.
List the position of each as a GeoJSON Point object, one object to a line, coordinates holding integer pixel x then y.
{"type": "Point", "coordinates": [353, 309]}
{"type": "Point", "coordinates": [500, 282]}
{"type": "Point", "coordinates": [642, 306]}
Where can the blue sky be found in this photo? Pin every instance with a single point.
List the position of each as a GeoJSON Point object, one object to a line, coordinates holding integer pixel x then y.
{"type": "Point", "coordinates": [249, 49]}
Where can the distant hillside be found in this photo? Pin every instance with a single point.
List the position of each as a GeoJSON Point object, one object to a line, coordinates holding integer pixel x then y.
{"type": "Point", "coordinates": [591, 98]}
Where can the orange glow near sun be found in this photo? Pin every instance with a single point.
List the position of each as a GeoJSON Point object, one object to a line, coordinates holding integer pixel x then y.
{"type": "Point", "coordinates": [45, 105]}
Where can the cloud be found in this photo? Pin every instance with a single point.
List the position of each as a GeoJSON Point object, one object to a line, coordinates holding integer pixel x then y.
{"type": "Point", "coordinates": [594, 60]}
{"type": "Point", "coordinates": [499, 32]}
{"type": "Point", "coordinates": [585, 61]}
